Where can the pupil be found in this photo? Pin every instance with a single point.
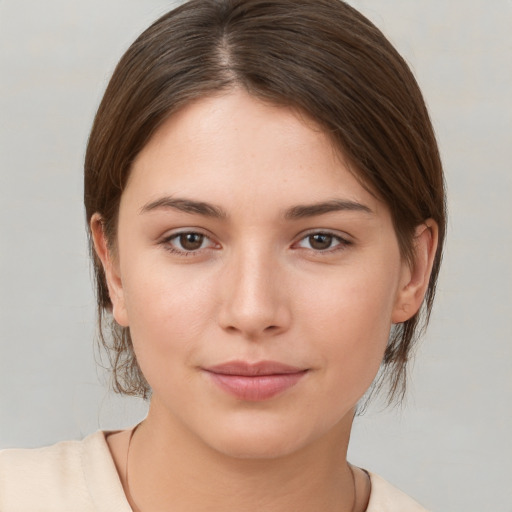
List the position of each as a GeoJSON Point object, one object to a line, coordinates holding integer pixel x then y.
{"type": "Point", "coordinates": [320, 241]}
{"type": "Point", "coordinates": [191, 241]}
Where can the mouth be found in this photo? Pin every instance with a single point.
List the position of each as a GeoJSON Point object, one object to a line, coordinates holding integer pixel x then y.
{"type": "Point", "coordinates": [255, 382]}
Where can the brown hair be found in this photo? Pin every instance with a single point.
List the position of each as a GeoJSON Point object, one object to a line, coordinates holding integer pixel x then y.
{"type": "Point", "coordinates": [321, 57]}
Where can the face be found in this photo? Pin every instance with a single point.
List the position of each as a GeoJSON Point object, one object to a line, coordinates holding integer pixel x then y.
{"type": "Point", "coordinates": [258, 278]}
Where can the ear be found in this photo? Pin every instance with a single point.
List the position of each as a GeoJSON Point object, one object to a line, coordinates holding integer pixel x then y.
{"type": "Point", "coordinates": [110, 265]}
{"type": "Point", "coordinates": [416, 276]}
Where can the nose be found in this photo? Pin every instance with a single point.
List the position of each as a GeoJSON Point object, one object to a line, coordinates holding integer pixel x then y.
{"type": "Point", "coordinates": [254, 296]}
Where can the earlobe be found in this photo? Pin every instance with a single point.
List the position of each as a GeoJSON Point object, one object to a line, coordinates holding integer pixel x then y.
{"type": "Point", "coordinates": [417, 275]}
{"type": "Point", "coordinates": [111, 269]}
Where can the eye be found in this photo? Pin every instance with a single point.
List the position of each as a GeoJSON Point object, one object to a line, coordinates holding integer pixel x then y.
{"type": "Point", "coordinates": [322, 242]}
{"type": "Point", "coordinates": [187, 242]}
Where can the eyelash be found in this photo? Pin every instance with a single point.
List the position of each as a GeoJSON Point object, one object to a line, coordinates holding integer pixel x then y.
{"type": "Point", "coordinates": [167, 243]}
{"type": "Point", "coordinates": [341, 244]}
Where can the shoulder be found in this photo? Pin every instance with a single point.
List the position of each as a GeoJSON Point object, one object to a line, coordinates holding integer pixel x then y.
{"type": "Point", "coordinates": [35, 477]}
{"type": "Point", "coordinates": [384, 497]}
{"type": "Point", "coordinates": [71, 475]}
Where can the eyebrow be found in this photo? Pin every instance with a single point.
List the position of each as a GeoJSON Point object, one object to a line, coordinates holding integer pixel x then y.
{"type": "Point", "coordinates": [187, 206]}
{"type": "Point", "coordinates": [334, 205]}
{"type": "Point", "coordinates": [216, 212]}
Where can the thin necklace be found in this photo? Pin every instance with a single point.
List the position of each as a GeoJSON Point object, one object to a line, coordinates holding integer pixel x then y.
{"type": "Point", "coordinates": [354, 502]}
{"type": "Point", "coordinates": [137, 509]}
{"type": "Point", "coordinates": [128, 493]}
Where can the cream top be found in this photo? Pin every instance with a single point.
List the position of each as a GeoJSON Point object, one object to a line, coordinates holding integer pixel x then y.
{"type": "Point", "coordinates": [80, 476]}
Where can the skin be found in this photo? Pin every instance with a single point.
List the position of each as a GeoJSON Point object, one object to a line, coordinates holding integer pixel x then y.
{"type": "Point", "coordinates": [260, 286]}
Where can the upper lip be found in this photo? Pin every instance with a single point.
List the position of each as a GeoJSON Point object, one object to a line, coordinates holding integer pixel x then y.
{"type": "Point", "coordinates": [253, 369]}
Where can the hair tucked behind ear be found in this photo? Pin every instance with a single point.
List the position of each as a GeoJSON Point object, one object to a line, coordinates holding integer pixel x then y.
{"type": "Point", "coordinates": [321, 57]}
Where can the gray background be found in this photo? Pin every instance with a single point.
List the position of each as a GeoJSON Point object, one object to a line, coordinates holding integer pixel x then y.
{"type": "Point", "coordinates": [450, 445]}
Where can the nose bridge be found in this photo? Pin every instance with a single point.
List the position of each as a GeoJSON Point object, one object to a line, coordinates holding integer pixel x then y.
{"type": "Point", "coordinates": [254, 302]}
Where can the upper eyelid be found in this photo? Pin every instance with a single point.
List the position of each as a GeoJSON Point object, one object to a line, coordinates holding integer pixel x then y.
{"type": "Point", "coordinates": [332, 232]}
{"type": "Point", "coordinates": [168, 238]}
{"type": "Point", "coordinates": [183, 231]}
{"type": "Point", "coordinates": [343, 242]}
{"type": "Point", "coordinates": [342, 236]}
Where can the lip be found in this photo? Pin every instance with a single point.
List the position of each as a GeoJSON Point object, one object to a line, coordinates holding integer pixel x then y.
{"type": "Point", "coordinates": [255, 382]}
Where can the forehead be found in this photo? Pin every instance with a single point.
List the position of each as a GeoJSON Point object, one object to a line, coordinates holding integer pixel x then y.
{"type": "Point", "coordinates": [241, 151]}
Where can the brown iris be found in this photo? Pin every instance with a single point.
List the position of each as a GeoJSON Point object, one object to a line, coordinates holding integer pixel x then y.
{"type": "Point", "coordinates": [191, 241]}
{"type": "Point", "coordinates": [320, 241]}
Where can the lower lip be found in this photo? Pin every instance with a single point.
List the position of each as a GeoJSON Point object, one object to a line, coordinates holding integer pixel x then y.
{"type": "Point", "coordinates": [258, 387]}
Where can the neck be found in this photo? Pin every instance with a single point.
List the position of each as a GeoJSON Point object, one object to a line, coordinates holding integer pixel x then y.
{"type": "Point", "coordinates": [170, 469]}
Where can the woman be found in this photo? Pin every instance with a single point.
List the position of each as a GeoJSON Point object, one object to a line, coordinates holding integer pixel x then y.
{"type": "Point", "coordinates": [266, 208]}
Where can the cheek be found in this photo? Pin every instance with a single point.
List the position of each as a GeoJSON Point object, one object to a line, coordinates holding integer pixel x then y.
{"type": "Point", "coordinates": [168, 312]}
{"type": "Point", "coordinates": [353, 322]}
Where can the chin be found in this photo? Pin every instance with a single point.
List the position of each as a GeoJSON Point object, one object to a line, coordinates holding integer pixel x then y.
{"type": "Point", "coordinates": [261, 438]}
{"type": "Point", "coordinates": [257, 447]}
